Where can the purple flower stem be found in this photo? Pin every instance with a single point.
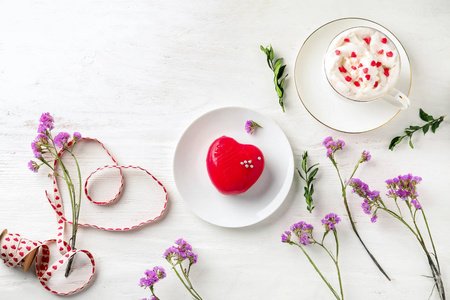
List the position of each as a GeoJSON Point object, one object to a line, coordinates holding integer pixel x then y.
{"type": "Point", "coordinates": [344, 195]}
{"type": "Point", "coordinates": [153, 293]}
{"type": "Point", "coordinates": [335, 260]}
{"type": "Point", "coordinates": [189, 288]}
{"type": "Point", "coordinates": [75, 213]}
{"type": "Point", "coordinates": [320, 274]}
{"type": "Point", "coordinates": [435, 268]}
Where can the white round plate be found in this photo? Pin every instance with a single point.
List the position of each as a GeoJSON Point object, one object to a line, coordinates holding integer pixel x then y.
{"type": "Point", "coordinates": [194, 185]}
{"type": "Point", "coordinates": [319, 98]}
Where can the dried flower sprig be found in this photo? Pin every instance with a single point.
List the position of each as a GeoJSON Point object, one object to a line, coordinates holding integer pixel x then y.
{"type": "Point", "coordinates": [308, 177]}
{"type": "Point", "coordinates": [178, 254]}
{"type": "Point", "coordinates": [403, 188]}
{"type": "Point", "coordinates": [333, 146]}
{"type": "Point", "coordinates": [152, 277]}
{"type": "Point", "coordinates": [278, 69]}
{"type": "Point", "coordinates": [46, 149]}
{"type": "Point", "coordinates": [432, 124]}
{"type": "Point", "coordinates": [303, 233]}
{"type": "Point", "coordinates": [251, 126]}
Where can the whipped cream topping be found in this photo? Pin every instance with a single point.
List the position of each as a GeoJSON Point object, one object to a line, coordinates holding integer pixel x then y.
{"type": "Point", "coordinates": [362, 64]}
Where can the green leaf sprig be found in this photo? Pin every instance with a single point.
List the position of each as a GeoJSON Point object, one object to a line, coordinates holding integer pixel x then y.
{"type": "Point", "coordinates": [308, 178]}
{"type": "Point", "coordinates": [432, 124]}
{"type": "Point", "coordinates": [278, 69]}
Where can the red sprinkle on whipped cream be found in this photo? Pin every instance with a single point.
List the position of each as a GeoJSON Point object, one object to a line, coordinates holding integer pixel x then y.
{"type": "Point", "coordinates": [361, 63]}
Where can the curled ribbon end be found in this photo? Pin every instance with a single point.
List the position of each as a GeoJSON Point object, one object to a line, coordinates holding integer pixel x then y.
{"type": "Point", "coordinates": [5, 231]}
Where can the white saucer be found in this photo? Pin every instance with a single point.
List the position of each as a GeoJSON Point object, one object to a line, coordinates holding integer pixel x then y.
{"type": "Point", "coordinates": [194, 185]}
{"type": "Point", "coordinates": [323, 103]}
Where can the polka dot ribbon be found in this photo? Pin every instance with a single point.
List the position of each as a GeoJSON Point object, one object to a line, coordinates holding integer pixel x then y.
{"type": "Point", "coordinates": [18, 251]}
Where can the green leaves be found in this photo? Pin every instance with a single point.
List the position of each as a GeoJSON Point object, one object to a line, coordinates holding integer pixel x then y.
{"type": "Point", "coordinates": [431, 123]}
{"type": "Point", "coordinates": [278, 70]}
{"type": "Point", "coordinates": [308, 178]}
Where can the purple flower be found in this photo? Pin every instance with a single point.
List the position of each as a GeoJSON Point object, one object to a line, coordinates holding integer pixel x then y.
{"type": "Point", "coordinates": [184, 246]}
{"type": "Point", "coordinates": [77, 136]}
{"type": "Point", "coordinates": [37, 150]}
{"type": "Point", "coordinates": [303, 231]}
{"type": "Point", "coordinates": [182, 251]}
{"type": "Point", "coordinates": [330, 221]}
{"type": "Point", "coordinates": [250, 126]}
{"type": "Point", "coordinates": [366, 207]}
{"type": "Point", "coordinates": [33, 166]}
{"type": "Point", "coordinates": [46, 123]}
{"type": "Point", "coordinates": [160, 272]}
{"type": "Point", "coordinates": [326, 140]}
{"type": "Point", "coordinates": [61, 139]}
{"type": "Point", "coordinates": [173, 252]}
{"type": "Point", "coordinates": [152, 277]}
{"type": "Point", "coordinates": [149, 280]}
{"type": "Point", "coordinates": [365, 156]}
{"type": "Point", "coordinates": [286, 237]}
{"type": "Point", "coordinates": [332, 146]}
{"type": "Point", "coordinates": [374, 218]}
{"type": "Point", "coordinates": [192, 257]}
{"type": "Point", "coordinates": [416, 204]}
{"type": "Point", "coordinates": [403, 186]}
{"type": "Point", "coordinates": [371, 198]}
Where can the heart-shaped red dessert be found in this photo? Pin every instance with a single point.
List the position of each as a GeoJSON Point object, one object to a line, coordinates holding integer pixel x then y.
{"type": "Point", "coordinates": [233, 167]}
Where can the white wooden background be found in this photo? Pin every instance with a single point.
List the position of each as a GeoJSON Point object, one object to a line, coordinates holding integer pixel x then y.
{"type": "Point", "coordinates": [136, 73]}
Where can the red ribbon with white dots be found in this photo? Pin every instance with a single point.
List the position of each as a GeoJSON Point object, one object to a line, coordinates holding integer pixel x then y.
{"type": "Point", "coordinates": [14, 248]}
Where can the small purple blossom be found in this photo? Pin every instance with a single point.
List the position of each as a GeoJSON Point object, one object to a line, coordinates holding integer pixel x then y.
{"type": "Point", "coordinates": [33, 166]}
{"type": "Point", "coordinates": [403, 186]}
{"type": "Point", "coordinates": [370, 198]}
{"type": "Point", "coordinates": [40, 140]}
{"type": "Point", "coordinates": [250, 126]}
{"type": "Point", "coordinates": [374, 218]}
{"type": "Point", "coordinates": [149, 280]}
{"type": "Point", "coordinates": [160, 272]}
{"type": "Point", "coordinates": [46, 123]}
{"type": "Point", "coordinates": [366, 207]}
{"type": "Point", "coordinates": [330, 221]}
{"type": "Point", "coordinates": [184, 246]}
{"type": "Point", "coordinates": [174, 252]}
{"type": "Point", "coordinates": [152, 277]}
{"type": "Point", "coordinates": [326, 140]}
{"type": "Point", "coordinates": [192, 257]}
{"type": "Point", "coordinates": [61, 139]}
{"type": "Point", "coordinates": [182, 251]}
{"type": "Point", "coordinates": [416, 204]}
{"type": "Point", "coordinates": [37, 149]}
{"type": "Point", "coordinates": [77, 136]}
{"type": "Point", "coordinates": [332, 146]}
{"type": "Point", "coordinates": [365, 156]}
{"type": "Point", "coordinates": [303, 231]}
{"type": "Point", "coordinates": [286, 237]}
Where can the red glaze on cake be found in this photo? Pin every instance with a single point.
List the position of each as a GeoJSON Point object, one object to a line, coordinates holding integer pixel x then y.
{"type": "Point", "coordinates": [233, 167]}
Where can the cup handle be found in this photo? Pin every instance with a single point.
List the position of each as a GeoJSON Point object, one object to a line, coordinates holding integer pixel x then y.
{"type": "Point", "coordinates": [398, 99]}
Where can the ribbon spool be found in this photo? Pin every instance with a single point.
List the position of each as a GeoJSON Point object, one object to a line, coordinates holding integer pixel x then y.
{"type": "Point", "coordinates": [27, 259]}
{"type": "Point", "coordinates": [18, 251]}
